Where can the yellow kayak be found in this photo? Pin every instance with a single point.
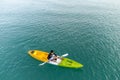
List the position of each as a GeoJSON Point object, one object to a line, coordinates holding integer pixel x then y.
{"type": "Point", "coordinates": [64, 62]}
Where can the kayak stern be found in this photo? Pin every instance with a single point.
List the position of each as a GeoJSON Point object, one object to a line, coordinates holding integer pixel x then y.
{"type": "Point", "coordinates": [39, 55]}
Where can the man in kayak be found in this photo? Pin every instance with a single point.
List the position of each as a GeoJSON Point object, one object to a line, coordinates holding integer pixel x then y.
{"type": "Point", "coordinates": [52, 56]}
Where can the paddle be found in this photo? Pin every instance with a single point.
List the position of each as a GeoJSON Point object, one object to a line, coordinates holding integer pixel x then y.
{"type": "Point", "coordinates": [64, 55]}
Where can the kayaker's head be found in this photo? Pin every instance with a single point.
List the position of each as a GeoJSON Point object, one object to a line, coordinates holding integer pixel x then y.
{"type": "Point", "coordinates": [51, 51]}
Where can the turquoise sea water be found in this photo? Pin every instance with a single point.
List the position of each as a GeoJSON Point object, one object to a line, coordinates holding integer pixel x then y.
{"type": "Point", "coordinates": [89, 30]}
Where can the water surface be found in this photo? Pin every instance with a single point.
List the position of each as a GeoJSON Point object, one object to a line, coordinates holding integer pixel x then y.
{"type": "Point", "coordinates": [87, 30]}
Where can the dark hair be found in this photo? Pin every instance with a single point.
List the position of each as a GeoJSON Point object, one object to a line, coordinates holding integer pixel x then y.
{"type": "Point", "coordinates": [51, 51]}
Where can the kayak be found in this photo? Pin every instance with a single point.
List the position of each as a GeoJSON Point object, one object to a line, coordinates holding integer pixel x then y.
{"type": "Point", "coordinates": [63, 62]}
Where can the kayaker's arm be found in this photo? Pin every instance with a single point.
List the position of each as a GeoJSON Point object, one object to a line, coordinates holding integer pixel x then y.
{"type": "Point", "coordinates": [64, 55]}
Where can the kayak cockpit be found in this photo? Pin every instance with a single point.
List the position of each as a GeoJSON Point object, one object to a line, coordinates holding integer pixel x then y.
{"type": "Point", "coordinates": [56, 62]}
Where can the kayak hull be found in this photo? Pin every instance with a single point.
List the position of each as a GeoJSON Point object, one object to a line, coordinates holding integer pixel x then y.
{"type": "Point", "coordinates": [63, 62]}
{"type": "Point", "coordinates": [66, 62]}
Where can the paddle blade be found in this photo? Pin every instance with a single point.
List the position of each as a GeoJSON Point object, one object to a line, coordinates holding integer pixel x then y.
{"type": "Point", "coordinates": [42, 64]}
{"type": "Point", "coordinates": [64, 55]}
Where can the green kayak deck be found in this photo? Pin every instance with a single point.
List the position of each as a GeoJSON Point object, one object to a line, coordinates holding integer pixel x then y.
{"type": "Point", "coordinates": [66, 62]}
